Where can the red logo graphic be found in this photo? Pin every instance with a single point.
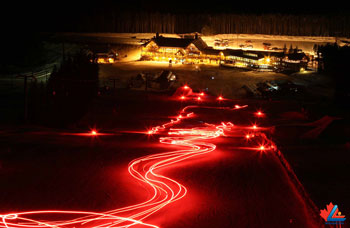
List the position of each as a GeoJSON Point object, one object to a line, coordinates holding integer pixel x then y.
{"type": "Point", "coordinates": [332, 215]}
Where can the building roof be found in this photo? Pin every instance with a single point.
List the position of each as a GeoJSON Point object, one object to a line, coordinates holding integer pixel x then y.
{"type": "Point", "coordinates": [296, 56]}
{"type": "Point", "coordinates": [200, 44]}
{"type": "Point", "coordinates": [243, 54]}
{"type": "Point", "coordinates": [211, 51]}
{"type": "Point", "coordinates": [172, 42]}
{"type": "Point", "coordinates": [251, 54]}
{"type": "Point", "coordinates": [179, 42]}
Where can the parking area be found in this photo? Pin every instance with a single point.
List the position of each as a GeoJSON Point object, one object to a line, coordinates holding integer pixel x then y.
{"type": "Point", "coordinates": [228, 82]}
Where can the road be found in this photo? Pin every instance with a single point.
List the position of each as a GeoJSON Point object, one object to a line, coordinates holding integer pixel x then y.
{"type": "Point", "coordinates": [205, 166]}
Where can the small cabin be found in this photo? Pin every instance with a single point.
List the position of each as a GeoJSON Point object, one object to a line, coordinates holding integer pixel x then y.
{"type": "Point", "coordinates": [104, 54]}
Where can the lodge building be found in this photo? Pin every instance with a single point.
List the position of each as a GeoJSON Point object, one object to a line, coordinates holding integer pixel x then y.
{"type": "Point", "coordinates": [180, 50]}
{"type": "Point", "coordinates": [196, 51]}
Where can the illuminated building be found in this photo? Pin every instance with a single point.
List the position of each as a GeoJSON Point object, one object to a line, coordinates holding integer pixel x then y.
{"type": "Point", "coordinates": [261, 60]}
{"type": "Point", "coordinates": [295, 61]}
{"type": "Point", "coordinates": [104, 54]}
{"type": "Point", "coordinates": [180, 50]}
{"type": "Point", "coordinates": [196, 51]}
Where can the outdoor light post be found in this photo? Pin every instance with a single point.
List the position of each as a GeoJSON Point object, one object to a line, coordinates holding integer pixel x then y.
{"type": "Point", "coordinates": [63, 52]}
{"type": "Point", "coordinates": [25, 77]}
{"type": "Point", "coordinates": [114, 80]}
{"type": "Point", "coordinates": [147, 81]}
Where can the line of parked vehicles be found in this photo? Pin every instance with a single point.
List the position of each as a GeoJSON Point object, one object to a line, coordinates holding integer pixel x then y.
{"type": "Point", "coordinates": [279, 88]}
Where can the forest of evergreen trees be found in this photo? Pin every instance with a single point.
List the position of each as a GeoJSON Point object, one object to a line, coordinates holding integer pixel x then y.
{"type": "Point", "coordinates": [335, 62]}
{"type": "Point", "coordinates": [220, 23]}
{"type": "Point", "coordinates": [68, 93]}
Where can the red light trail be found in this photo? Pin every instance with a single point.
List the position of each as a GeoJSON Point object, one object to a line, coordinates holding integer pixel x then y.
{"type": "Point", "coordinates": [192, 142]}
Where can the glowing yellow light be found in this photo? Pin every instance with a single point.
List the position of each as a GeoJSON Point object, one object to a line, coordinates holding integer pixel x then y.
{"type": "Point", "coordinates": [100, 60]}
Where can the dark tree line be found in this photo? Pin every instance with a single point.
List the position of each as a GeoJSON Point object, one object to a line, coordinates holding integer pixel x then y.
{"type": "Point", "coordinates": [18, 54]}
{"type": "Point", "coordinates": [68, 93]}
{"type": "Point", "coordinates": [334, 61]}
{"type": "Point", "coordinates": [273, 24]}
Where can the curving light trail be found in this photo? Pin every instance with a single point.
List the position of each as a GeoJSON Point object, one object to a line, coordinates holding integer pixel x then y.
{"type": "Point", "coordinates": [192, 141]}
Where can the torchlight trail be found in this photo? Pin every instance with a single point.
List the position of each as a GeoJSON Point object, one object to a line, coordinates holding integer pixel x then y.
{"type": "Point", "coordinates": [193, 142]}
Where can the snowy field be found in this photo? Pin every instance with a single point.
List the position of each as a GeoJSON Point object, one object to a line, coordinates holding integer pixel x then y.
{"type": "Point", "coordinates": [254, 41]}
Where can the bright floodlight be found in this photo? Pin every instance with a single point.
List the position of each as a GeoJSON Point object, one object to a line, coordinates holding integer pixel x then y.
{"type": "Point", "coordinates": [93, 132]}
{"type": "Point", "coordinates": [259, 113]}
